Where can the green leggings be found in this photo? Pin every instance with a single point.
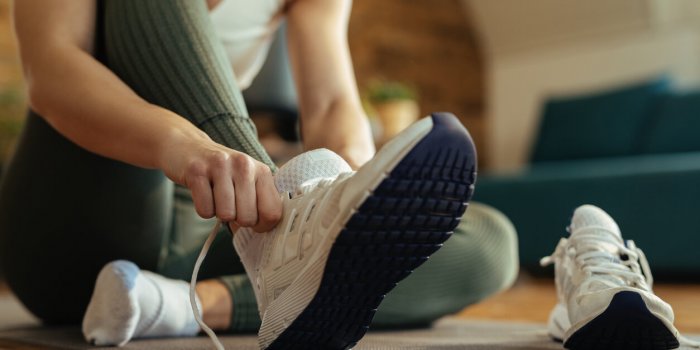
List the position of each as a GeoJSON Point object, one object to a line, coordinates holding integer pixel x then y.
{"type": "Point", "coordinates": [66, 212]}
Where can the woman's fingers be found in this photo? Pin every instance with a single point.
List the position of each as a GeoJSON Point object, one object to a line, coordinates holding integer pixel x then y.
{"type": "Point", "coordinates": [269, 201]}
{"type": "Point", "coordinates": [235, 188]}
{"type": "Point", "coordinates": [201, 195]}
{"type": "Point", "coordinates": [224, 196]}
{"type": "Point", "coordinates": [244, 169]}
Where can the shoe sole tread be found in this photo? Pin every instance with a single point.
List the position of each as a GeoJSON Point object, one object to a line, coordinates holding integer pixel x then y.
{"type": "Point", "coordinates": [402, 222]}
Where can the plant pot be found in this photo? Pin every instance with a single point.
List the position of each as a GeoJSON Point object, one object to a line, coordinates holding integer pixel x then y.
{"type": "Point", "coordinates": [395, 116]}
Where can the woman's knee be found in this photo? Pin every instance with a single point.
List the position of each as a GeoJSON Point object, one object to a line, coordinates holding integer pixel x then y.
{"type": "Point", "coordinates": [494, 244]}
{"type": "Point", "coordinates": [479, 260]}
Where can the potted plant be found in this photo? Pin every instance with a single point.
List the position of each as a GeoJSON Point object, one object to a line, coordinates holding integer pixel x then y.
{"type": "Point", "coordinates": [394, 106]}
{"type": "Point", "coordinates": [11, 121]}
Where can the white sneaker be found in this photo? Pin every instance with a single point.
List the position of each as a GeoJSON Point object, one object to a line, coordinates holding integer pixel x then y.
{"type": "Point", "coordinates": [345, 240]}
{"type": "Point", "coordinates": [604, 290]}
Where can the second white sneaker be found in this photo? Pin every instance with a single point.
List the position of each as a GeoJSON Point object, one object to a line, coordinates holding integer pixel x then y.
{"type": "Point", "coordinates": [346, 238]}
{"type": "Point", "coordinates": [604, 290]}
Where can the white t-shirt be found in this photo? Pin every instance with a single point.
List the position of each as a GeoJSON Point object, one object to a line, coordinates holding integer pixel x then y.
{"type": "Point", "coordinates": [246, 28]}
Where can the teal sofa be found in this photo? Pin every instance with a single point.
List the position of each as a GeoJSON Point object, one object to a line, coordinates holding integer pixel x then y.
{"type": "Point", "coordinates": [635, 152]}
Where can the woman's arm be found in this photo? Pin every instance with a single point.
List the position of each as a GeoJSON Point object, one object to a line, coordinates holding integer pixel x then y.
{"type": "Point", "coordinates": [79, 96]}
{"type": "Point", "coordinates": [90, 105]}
{"type": "Point", "coordinates": [331, 112]}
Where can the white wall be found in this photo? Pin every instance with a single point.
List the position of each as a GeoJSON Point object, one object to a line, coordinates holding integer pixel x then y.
{"type": "Point", "coordinates": [540, 48]}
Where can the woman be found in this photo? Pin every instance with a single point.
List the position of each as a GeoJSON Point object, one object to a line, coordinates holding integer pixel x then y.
{"type": "Point", "coordinates": [127, 96]}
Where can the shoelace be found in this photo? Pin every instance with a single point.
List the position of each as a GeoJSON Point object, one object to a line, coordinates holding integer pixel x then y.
{"type": "Point", "coordinates": [629, 266]}
{"type": "Point", "coordinates": [594, 259]}
{"type": "Point", "coordinates": [193, 283]}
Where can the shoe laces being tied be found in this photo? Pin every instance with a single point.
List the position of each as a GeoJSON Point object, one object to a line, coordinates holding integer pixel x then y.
{"type": "Point", "coordinates": [601, 254]}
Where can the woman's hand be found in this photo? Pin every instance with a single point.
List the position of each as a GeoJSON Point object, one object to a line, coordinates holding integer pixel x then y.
{"type": "Point", "coordinates": [100, 113]}
{"type": "Point", "coordinates": [224, 183]}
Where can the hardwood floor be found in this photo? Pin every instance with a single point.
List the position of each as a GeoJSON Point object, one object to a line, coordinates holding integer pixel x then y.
{"type": "Point", "coordinates": [14, 345]}
{"type": "Point", "coordinates": [532, 299]}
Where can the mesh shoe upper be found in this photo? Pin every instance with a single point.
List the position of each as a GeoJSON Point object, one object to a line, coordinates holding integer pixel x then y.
{"type": "Point", "coordinates": [273, 259]}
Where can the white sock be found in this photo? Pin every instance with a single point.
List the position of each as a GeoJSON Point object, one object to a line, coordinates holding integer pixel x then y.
{"type": "Point", "coordinates": [129, 303]}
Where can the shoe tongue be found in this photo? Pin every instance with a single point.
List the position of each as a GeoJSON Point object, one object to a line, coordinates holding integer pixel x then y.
{"type": "Point", "coordinates": [319, 163]}
{"type": "Point", "coordinates": [597, 221]}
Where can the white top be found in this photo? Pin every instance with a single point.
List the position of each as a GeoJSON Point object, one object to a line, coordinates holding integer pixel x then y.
{"type": "Point", "coordinates": [246, 28]}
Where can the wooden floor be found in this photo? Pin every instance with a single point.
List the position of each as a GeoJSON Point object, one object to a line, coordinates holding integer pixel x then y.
{"type": "Point", "coordinates": [531, 300]}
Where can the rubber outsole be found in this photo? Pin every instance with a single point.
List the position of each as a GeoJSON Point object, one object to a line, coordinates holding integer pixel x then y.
{"type": "Point", "coordinates": [400, 224]}
{"type": "Point", "coordinates": [626, 324]}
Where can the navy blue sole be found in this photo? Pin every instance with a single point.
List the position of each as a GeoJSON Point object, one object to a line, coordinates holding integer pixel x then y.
{"type": "Point", "coordinates": [627, 324]}
{"type": "Point", "coordinates": [402, 222]}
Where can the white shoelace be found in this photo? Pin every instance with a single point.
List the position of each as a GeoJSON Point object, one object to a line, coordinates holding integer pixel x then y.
{"type": "Point", "coordinates": [193, 283]}
{"type": "Point", "coordinates": [629, 266]}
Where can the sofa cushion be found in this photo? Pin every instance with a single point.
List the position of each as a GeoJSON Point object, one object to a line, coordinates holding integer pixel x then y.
{"type": "Point", "coordinates": [598, 125]}
{"type": "Point", "coordinates": [654, 199]}
{"type": "Point", "coordinates": [675, 126]}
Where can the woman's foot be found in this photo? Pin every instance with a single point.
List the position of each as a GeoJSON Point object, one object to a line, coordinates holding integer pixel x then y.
{"type": "Point", "coordinates": [129, 303]}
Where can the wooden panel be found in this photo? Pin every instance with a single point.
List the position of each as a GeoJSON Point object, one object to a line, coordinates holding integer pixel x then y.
{"type": "Point", "coordinates": [10, 72]}
{"type": "Point", "coordinates": [12, 96]}
{"type": "Point", "coordinates": [428, 44]}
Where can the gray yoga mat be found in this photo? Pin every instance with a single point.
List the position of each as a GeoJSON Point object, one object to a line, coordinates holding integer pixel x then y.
{"type": "Point", "coordinates": [17, 325]}
{"type": "Point", "coordinates": [446, 334]}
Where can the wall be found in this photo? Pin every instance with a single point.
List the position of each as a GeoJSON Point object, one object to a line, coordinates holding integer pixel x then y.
{"type": "Point", "coordinates": [541, 48]}
{"type": "Point", "coordinates": [428, 44]}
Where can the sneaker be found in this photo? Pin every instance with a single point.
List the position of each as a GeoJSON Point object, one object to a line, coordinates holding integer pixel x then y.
{"type": "Point", "coordinates": [346, 238]}
{"type": "Point", "coordinates": [604, 288]}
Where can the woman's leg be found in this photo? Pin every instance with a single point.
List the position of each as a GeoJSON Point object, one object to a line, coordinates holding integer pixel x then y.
{"type": "Point", "coordinates": [168, 52]}
{"type": "Point", "coordinates": [66, 212]}
{"type": "Point", "coordinates": [480, 259]}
